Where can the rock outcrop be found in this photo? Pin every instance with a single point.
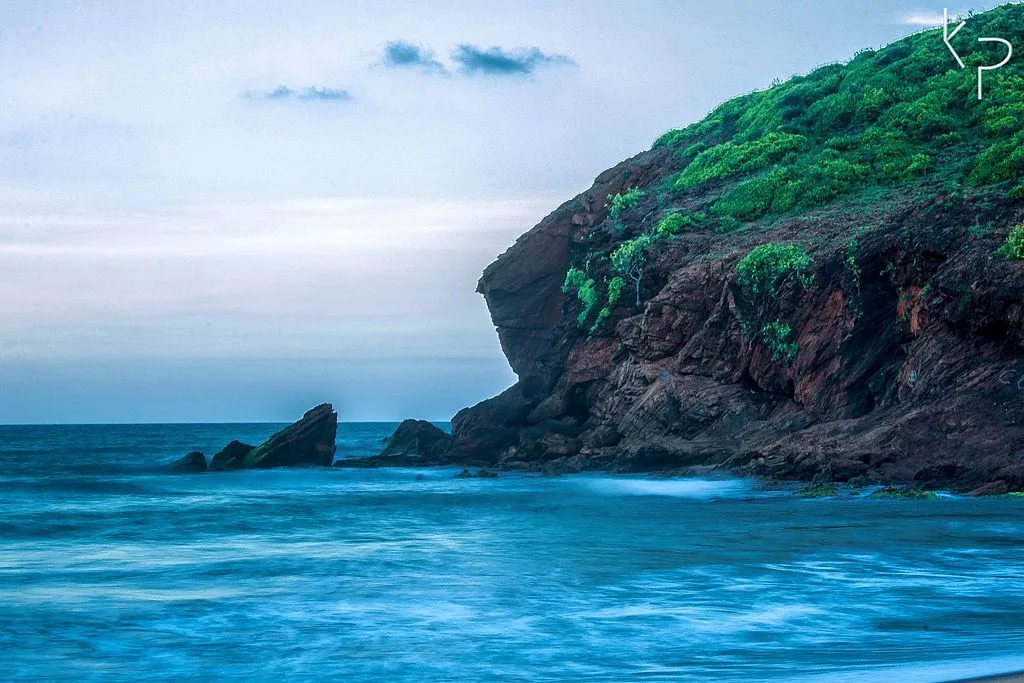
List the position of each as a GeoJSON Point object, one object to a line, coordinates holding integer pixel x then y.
{"type": "Point", "coordinates": [901, 360]}
{"type": "Point", "coordinates": [193, 462]}
{"type": "Point", "coordinates": [909, 375]}
{"type": "Point", "coordinates": [308, 442]}
{"type": "Point", "coordinates": [413, 443]}
{"type": "Point", "coordinates": [231, 457]}
{"type": "Point", "coordinates": [417, 439]}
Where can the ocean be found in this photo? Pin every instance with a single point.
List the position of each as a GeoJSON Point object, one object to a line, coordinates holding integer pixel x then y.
{"type": "Point", "coordinates": [113, 570]}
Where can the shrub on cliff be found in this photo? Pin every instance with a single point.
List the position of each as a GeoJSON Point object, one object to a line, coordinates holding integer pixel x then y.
{"type": "Point", "coordinates": [630, 259]}
{"type": "Point", "coordinates": [767, 267]}
{"type": "Point", "coordinates": [615, 288]}
{"type": "Point", "coordinates": [624, 201]}
{"type": "Point", "coordinates": [1002, 161]}
{"type": "Point", "coordinates": [776, 337]}
{"type": "Point", "coordinates": [1013, 247]}
{"type": "Point", "coordinates": [574, 279]}
{"type": "Point", "coordinates": [676, 222]}
{"type": "Point", "coordinates": [586, 292]}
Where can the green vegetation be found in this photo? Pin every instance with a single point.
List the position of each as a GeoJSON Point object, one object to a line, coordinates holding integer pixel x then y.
{"type": "Point", "coordinates": [767, 267]}
{"type": "Point", "coordinates": [851, 258]}
{"type": "Point", "coordinates": [675, 222]}
{"type": "Point", "coordinates": [602, 315]}
{"type": "Point", "coordinates": [904, 492]}
{"type": "Point", "coordinates": [623, 202]}
{"type": "Point", "coordinates": [586, 292]}
{"type": "Point", "coordinates": [822, 490]}
{"type": "Point", "coordinates": [674, 137]}
{"type": "Point", "coordinates": [1013, 247]}
{"type": "Point", "coordinates": [884, 118]}
{"type": "Point", "coordinates": [588, 296]}
{"type": "Point", "coordinates": [776, 337]}
{"type": "Point", "coordinates": [978, 229]}
{"type": "Point", "coordinates": [630, 259]}
{"type": "Point", "coordinates": [615, 288]}
{"type": "Point", "coordinates": [764, 271]}
{"type": "Point", "coordinates": [694, 150]}
{"type": "Point", "coordinates": [727, 224]}
{"type": "Point", "coordinates": [730, 158]}
{"type": "Point", "coordinates": [574, 279]}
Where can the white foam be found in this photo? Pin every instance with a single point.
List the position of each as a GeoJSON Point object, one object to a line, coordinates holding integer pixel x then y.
{"type": "Point", "coordinates": [701, 489]}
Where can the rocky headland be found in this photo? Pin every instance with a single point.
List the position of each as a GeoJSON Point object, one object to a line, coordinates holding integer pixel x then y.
{"type": "Point", "coordinates": [822, 280]}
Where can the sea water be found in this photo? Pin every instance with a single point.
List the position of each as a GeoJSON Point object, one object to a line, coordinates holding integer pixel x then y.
{"type": "Point", "coordinates": [111, 569]}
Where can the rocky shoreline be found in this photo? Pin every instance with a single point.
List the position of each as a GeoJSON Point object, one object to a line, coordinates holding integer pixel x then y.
{"type": "Point", "coordinates": [309, 442]}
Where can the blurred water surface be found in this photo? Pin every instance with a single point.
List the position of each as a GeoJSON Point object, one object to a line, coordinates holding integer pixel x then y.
{"type": "Point", "coordinates": [111, 569]}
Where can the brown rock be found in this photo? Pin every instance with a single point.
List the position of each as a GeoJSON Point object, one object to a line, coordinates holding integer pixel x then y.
{"type": "Point", "coordinates": [993, 488]}
{"type": "Point", "coordinates": [417, 440]}
{"type": "Point", "coordinates": [310, 441]}
{"type": "Point", "coordinates": [231, 457]}
{"type": "Point", "coordinates": [907, 375]}
{"type": "Point", "coordinates": [193, 462]}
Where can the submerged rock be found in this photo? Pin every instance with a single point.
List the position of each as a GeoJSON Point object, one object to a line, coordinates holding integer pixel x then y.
{"type": "Point", "coordinates": [308, 442]}
{"type": "Point", "coordinates": [480, 474]}
{"type": "Point", "coordinates": [819, 490]}
{"type": "Point", "coordinates": [903, 492]}
{"type": "Point", "coordinates": [193, 462]}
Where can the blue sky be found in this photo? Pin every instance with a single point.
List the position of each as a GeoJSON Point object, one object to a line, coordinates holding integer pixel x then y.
{"type": "Point", "coordinates": [217, 211]}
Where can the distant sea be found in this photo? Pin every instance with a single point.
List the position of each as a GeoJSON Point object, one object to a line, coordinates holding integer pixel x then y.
{"type": "Point", "coordinates": [113, 570]}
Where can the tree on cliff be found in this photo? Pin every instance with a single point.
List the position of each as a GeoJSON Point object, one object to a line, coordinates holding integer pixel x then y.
{"type": "Point", "coordinates": [630, 259]}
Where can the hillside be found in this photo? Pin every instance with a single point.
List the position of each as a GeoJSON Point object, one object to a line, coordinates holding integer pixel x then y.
{"type": "Point", "coordinates": [821, 279]}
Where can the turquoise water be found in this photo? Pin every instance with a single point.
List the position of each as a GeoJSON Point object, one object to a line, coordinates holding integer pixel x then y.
{"type": "Point", "coordinates": [112, 570]}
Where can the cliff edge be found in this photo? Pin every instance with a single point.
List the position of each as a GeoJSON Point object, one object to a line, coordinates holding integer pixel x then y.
{"type": "Point", "coordinates": [822, 279]}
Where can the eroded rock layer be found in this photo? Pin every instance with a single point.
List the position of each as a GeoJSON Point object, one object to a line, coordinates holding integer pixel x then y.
{"type": "Point", "coordinates": [909, 355]}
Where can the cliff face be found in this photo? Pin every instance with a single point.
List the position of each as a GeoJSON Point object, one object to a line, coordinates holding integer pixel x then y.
{"type": "Point", "coordinates": [895, 356]}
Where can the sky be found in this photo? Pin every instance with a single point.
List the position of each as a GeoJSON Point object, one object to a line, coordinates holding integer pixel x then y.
{"type": "Point", "coordinates": [216, 211]}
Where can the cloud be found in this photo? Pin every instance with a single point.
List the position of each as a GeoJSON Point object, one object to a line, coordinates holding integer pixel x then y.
{"type": "Point", "coordinates": [325, 94]}
{"type": "Point", "coordinates": [923, 19]}
{"type": "Point", "coordinates": [281, 92]}
{"type": "Point", "coordinates": [495, 61]}
{"type": "Point", "coordinates": [400, 54]}
{"type": "Point", "coordinates": [311, 94]}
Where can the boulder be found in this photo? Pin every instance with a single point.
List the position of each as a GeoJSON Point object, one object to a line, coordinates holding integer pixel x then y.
{"type": "Point", "coordinates": [308, 442]}
{"type": "Point", "coordinates": [231, 457]}
{"type": "Point", "coordinates": [417, 439]}
{"type": "Point", "coordinates": [193, 462]}
{"type": "Point", "coordinates": [993, 488]}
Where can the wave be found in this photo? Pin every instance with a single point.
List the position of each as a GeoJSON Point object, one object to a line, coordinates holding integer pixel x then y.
{"type": "Point", "coordinates": [700, 489]}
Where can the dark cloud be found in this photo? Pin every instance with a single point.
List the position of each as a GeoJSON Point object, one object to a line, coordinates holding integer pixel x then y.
{"type": "Point", "coordinates": [402, 55]}
{"type": "Point", "coordinates": [311, 94]}
{"type": "Point", "coordinates": [498, 62]}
